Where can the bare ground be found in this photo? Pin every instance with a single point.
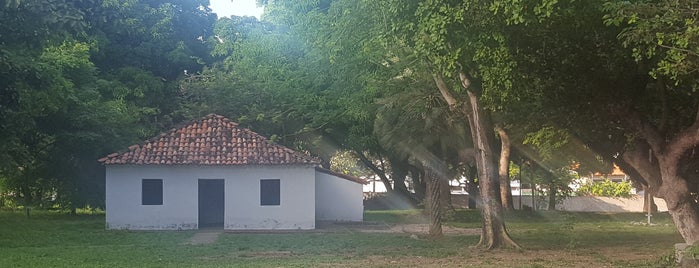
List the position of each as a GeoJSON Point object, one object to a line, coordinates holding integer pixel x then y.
{"type": "Point", "coordinates": [204, 237]}
{"type": "Point", "coordinates": [421, 229]}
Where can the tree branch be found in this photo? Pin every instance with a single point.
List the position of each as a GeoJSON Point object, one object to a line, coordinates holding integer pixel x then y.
{"type": "Point", "coordinates": [689, 52]}
{"type": "Point", "coordinates": [686, 139]}
{"type": "Point", "coordinates": [444, 90]}
{"type": "Point", "coordinates": [647, 131]}
{"type": "Point", "coordinates": [635, 162]}
{"type": "Point", "coordinates": [381, 173]}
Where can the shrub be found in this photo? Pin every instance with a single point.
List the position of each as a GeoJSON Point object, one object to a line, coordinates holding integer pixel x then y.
{"type": "Point", "coordinates": [606, 188]}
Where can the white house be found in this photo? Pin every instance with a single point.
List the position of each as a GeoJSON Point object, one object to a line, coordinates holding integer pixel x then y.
{"type": "Point", "coordinates": [212, 173]}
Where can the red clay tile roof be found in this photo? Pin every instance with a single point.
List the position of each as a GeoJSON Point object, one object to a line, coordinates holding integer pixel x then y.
{"type": "Point", "coordinates": [212, 140]}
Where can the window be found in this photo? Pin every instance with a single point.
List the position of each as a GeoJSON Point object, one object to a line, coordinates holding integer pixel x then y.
{"type": "Point", "coordinates": [269, 192]}
{"type": "Point", "coordinates": [152, 192]}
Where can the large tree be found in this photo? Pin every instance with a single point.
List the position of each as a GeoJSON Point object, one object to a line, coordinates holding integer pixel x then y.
{"type": "Point", "coordinates": [665, 125]}
{"type": "Point", "coordinates": [626, 89]}
{"type": "Point", "coordinates": [457, 40]}
{"type": "Point", "coordinates": [82, 78]}
{"type": "Point", "coordinates": [405, 39]}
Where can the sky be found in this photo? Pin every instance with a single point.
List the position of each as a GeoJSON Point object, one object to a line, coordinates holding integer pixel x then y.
{"type": "Point", "coordinates": [226, 8]}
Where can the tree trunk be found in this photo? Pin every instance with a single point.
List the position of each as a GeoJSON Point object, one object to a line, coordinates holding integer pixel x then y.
{"type": "Point", "coordinates": [504, 170]}
{"type": "Point", "coordinates": [494, 234]}
{"type": "Point", "coordinates": [399, 171]}
{"type": "Point", "coordinates": [419, 184]}
{"type": "Point", "coordinates": [682, 207]}
{"type": "Point", "coordinates": [552, 196]}
{"type": "Point", "coordinates": [660, 170]}
{"type": "Point", "coordinates": [685, 216]}
{"type": "Point", "coordinates": [445, 195]}
{"type": "Point", "coordinates": [433, 203]}
{"type": "Point", "coordinates": [474, 194]}
{"type": "Point", "coordinates": [648, 202]}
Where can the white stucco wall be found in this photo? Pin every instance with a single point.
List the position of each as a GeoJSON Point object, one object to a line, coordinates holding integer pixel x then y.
{"type": "Point", "coordinates": [297, 199]}
{"type": "Point", "coordinates": [338, 199]}
{"type": "Point", "coordinates": [180, 197]}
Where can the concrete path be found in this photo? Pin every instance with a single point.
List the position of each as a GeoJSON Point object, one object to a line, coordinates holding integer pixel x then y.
{"type": "Point", "coordinates": [204, 237]}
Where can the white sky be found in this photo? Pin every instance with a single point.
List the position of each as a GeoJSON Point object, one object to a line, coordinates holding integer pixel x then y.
{"type": "Point", "coordinates": [226, 8]}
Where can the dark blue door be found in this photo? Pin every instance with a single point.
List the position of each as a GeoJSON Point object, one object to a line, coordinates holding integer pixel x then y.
{"type": "Point", "coordinates": [211, 203]}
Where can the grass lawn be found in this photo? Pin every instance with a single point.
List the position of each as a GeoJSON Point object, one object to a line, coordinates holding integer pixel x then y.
{"type": "Point", "coordinates": [550, 239]}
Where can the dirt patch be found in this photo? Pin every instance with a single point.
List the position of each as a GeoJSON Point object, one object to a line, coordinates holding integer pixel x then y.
{"type": "Point", "coordinates": [266, 254]}
{"type": "Point", "coordinates": [417, 229]}
{"type": "Point", "coordinates": [423, 229]}
{"type": "Point", "coordinates": [204, 237]}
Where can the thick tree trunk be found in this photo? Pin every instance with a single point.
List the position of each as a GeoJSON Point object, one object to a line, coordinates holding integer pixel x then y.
{"type": "Point", "coordinates": [660, 166]}
{"type": "Point", "coordinates": [685, 216]}
{"type": "Point", "coordinates": [504, 169]}
{"type": "Point", "coordinates": [494, 233]}
{"type": "Point", "coordinates": [433, 203]}
{"type": "Point", "coordinates": [682, 206]}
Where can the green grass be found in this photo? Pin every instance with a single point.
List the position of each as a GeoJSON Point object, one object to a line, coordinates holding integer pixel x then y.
{"type": "Point", "coordinates": [551, 239]}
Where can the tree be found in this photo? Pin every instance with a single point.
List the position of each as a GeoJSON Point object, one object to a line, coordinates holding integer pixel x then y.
{"type": "Point", "coordinates": [450, 38]}
{"type": "Point", "coordinates": [340, 59]}
{"type": "Point", "coordinates": [662, 37]}
{"type": "Point", "coordinates": [418, 125]}
{"type": "Point", "coordinates": [619, 108]}
{"type": "Point", "coordinates": [395, 44]}
{"type": "Point", "coordinates": [71, 90]}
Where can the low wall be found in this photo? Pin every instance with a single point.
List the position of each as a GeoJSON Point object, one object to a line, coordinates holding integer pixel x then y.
{"type": "Point", "coordinates": [592, 204]}
{"type": "Point", "coordinates": [575, 203]}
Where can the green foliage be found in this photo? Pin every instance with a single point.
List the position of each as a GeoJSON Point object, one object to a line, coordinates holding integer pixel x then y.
{"type": "Point", "coordinates": [547, 140]}
{"type": "Point", "coordinates": [606, 188]}
{"type": "Point", "coordinates": [347, 162]}
{"type": "Point", "coordinates": [558, 179]}
{"type": "Point", "coordinates": [80, 79]}
{"type": "Point", "coordinates": [667, 260]}
{"type": "Point", "coordinates": [663, 32]}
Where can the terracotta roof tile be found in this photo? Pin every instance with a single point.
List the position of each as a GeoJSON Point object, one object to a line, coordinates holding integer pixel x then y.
{"type": "Point", "coordinates": [212, 140]}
